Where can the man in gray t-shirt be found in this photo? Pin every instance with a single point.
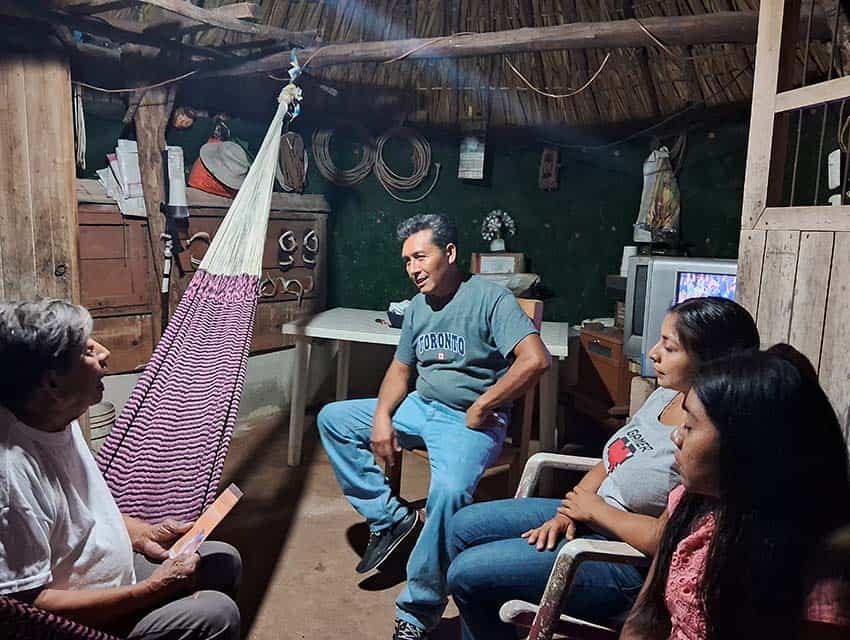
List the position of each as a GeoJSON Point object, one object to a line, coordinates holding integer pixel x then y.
{"type": "Point", "coordinates": [474, 350]}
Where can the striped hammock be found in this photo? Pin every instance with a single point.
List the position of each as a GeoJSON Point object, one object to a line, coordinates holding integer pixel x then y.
{"type": "Point", "coordinates": [164, 457]}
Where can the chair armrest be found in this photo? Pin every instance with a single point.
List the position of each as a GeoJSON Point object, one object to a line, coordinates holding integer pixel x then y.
{"type": "Point", "coordinates": [522, 614]}
{"type": "Point", "coordinates": [539, 461]}
{"type": "Point", "coordinates": [569, 558]}
{"type": "Point", "coordinates": [583, 549]}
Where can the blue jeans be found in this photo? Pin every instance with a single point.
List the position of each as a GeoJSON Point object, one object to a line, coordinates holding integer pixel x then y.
{"type": "Point", "coordinates": [491, 564]}
{"type": "Point", "coordinates": [458, 457]}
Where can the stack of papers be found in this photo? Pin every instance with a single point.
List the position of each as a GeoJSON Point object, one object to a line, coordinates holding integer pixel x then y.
{"type": "Point", "coordinates": [122, 179]}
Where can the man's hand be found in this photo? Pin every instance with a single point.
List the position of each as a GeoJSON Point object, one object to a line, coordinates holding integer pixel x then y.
{"type": "Point", "coordinates": [478, 418]}
{"type": "Point", "coordinates": [546, 536]}
{"type": "Point", "coordinates": [581, 505]}
{"type": "Point", "coordinates": [383, 442]}
{"type": "Point", "coordinates": [154, 540]}
{"type": "Point", "coordinates": [175, 576]}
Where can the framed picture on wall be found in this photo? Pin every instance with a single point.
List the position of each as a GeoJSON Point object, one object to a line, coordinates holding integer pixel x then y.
{"type": "Point", "coordinates": [497, 263]}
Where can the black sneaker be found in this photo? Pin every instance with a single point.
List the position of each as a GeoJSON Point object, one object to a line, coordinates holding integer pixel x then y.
{"type": "Point", "coordinates": [383, 543]}
{"type": "Point", "coordinates": [406, 631]}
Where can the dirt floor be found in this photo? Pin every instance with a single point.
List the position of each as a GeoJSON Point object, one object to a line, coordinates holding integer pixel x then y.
{"type": "Point", "coordinates": [300, 541]}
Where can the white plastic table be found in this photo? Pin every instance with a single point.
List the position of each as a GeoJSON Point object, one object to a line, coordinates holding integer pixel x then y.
{"type": "Point", "coordinates": [359, 325]}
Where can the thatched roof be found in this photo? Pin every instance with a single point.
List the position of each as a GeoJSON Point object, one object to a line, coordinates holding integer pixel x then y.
{"type": "Point", "coordinates": [636, 83]}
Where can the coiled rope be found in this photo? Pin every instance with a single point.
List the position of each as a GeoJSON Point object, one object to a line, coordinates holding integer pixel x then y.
{"type": "Point", "coordinates": [390, 180]}
{"type": "Point", "coordinates": [326, 166]}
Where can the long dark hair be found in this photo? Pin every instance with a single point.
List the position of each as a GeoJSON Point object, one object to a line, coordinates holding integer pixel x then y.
{"type": "Point", "coordinates": [783, 487]}
{"type": "Point", "coordinates": [712, 327]}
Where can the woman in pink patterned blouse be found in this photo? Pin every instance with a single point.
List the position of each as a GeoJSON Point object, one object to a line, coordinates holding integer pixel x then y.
{"type": "Point", "coordinates": [765, 479]}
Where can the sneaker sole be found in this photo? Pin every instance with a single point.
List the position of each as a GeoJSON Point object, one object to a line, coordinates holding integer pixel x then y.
{"type": "Point", "coordinates": [394, 546]}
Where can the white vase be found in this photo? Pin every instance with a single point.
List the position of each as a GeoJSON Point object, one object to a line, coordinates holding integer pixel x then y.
{"type": "Point", "coordinates": [497, 244]}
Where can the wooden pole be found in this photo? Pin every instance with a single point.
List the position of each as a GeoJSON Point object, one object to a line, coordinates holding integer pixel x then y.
{"type": "Point", "coordinates": [785, 81]}
{"type": "Point", "coordinates": [725, 26]}
{"type": "Point", "coordinates": [39, 250]}
{"type": "Point", "coordinates": [38, 201]}
{"type": "Point", "coordinates": [151, 120]}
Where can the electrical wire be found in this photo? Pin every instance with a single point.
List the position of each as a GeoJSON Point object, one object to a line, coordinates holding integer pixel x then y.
{"type": "Point", "coordinates": [660, 123]}
{"type": "Point", "coordinates": [563, 95]}
{"type": "Point", "coordinates": [134, 89]}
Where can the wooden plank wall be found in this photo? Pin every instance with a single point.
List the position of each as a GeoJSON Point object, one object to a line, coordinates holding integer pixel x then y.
{"type": "Point", "coordinates": [802, 297]}
{"type": "Point", "coordinates": [38, 213]}
{"type": "Point", "coordinates": [834, 368]}
{"type": "Point", "coordinates": [793, 262]}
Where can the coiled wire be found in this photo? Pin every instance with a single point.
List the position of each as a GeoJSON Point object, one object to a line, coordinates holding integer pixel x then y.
{"type": "Point", "coordinates": [390, 180]}
{"type": "Point", "coordinates": [326, 166]}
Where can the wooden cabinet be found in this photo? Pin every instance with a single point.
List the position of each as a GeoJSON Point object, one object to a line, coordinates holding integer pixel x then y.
{"type": "Point", "coordinates": [604, 379]}
{"type": "Point", "coordinates": [116, 284]}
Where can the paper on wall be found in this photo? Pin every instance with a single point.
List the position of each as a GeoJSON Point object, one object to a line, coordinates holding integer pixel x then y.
{"type": "Point", "coordinates": [128, 161]}
{"type": "Point", "coordinates": [113, 180]}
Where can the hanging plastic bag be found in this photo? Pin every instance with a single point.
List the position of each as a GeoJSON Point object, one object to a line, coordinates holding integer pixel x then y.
{"type": "Point", "coordinates": [660, 202]}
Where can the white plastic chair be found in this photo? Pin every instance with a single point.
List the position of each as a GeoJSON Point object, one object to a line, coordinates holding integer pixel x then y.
{"type": "Point", "coordinates": [545, 620]}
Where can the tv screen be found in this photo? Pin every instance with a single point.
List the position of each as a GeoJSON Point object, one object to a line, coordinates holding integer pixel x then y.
{"type": "Point", "coordinates": [697, 284]}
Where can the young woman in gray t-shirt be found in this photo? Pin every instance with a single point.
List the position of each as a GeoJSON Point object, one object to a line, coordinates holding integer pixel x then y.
{"type": "Point", "coordinates": [505, 549]}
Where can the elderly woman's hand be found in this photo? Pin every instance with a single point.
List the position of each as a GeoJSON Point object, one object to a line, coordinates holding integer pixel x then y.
{"type": "Point", "coordinates": [154, 540]}
{"type": "Point", "coordinates": [175, 576]}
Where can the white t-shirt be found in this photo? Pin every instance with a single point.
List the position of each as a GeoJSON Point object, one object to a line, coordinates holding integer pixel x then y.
{"type": "Point", "coordinates": [59, 525]}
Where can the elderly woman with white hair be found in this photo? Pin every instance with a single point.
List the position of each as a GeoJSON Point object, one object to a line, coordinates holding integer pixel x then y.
{"type": "Point", "coordinates": [64, 545]}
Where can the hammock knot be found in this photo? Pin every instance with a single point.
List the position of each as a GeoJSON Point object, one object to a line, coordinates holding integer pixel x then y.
{"type": "Point", "coordinates": [289, 94]}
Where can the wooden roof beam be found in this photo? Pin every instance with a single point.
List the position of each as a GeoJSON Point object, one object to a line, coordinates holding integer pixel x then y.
{"type": "Point", "coordinates": [236, 11]}
{"type": "Point", "coordinates": [91, 7]}
{"type": "Point", "coordinates": [116, 30]}
{"type": "Point", "coordinates": [187, 16]}
{"type": "Point", "coordinates": [725, 26]}
{"type": "Point", "coordinates": [178, 23]}
{"type": "Point", "coordinates": [222, 21]}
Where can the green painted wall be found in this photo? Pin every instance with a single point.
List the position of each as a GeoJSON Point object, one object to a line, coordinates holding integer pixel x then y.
{"type": "Point", "coordinates": [572, 237]}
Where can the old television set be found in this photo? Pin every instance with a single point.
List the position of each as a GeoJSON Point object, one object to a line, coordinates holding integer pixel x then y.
{"type": "Point", "coordinates": [655, 283]}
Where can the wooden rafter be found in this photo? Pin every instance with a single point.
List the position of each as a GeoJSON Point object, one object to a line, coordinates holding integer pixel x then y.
{"type": "Point", "coordinates": [725, 26]}
{"type": "Point", "coordinates": [116, 30]}
{"type": "Point", "coordinates": [175, 22]}
{"type": "Point", "coordinates": [188, 16]}
{"type": "Point", "coordinates": [91, 7]}
{"type": "Point", "coordinates": [214, 19]}
{"type": "Point", "coordinates": [237, 11]}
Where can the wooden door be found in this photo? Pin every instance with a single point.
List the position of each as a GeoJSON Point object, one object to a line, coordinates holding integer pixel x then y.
{"type": "Point", "coordinates": [794, 261]}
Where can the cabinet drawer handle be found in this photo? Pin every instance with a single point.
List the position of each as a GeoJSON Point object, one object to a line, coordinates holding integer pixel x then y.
{"type": "Point", "coordinates": [597, 348]}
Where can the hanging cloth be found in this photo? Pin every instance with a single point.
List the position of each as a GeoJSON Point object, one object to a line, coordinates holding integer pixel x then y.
{"type": "Point", "coordinates": [165, 455]}
{"type": "Point", "coordinates": [660, 203]}
{"type": "Point", "coordinates": [292, 168]}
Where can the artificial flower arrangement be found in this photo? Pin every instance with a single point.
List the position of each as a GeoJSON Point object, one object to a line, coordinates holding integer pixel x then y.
{"type": "Point", "coordinates": [496, 225]}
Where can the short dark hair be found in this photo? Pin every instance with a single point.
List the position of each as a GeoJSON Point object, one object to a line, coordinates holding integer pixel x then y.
{"type": "Point", "coordinates": [36, 337]}
{"type": "Point", "coordinates": [444, 231]}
